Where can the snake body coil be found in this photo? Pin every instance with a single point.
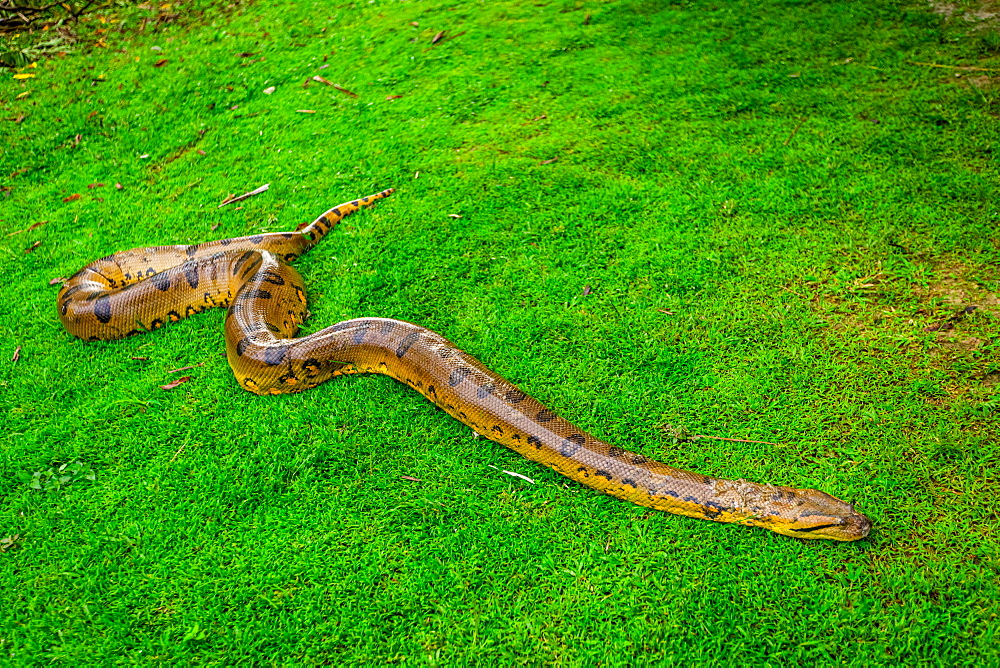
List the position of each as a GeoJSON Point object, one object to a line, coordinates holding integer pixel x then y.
{"type": "Point", "coordinates": [142, 289]}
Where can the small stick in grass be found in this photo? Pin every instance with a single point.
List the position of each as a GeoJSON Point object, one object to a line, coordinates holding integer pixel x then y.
{"type": "Point", "coordinates": [245, 195]}
{"type": "Point", "coordinates": [795, 130]}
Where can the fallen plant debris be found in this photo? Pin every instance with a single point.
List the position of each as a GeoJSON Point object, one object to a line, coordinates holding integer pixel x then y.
{"type": "Point", "coordinates": [949, 323]}
{"type": "Point", "coordinates": [33, 246]}
{"type": "Point", "coordinates": [17, 354]}
{"type": "Point", "coordinates": [161, 62]}
{"type": "Point", "coordinates": [795, 130]}
{"type": "Point", "coordinates": [410, 478]}
{"type": "Point", "coordinates": [238, 198]}
{"type": "Point", "coordinates": [173, 384]}
{"type": "Point", "coordinates": [185, 368]}
{"type": "Point", "coordinates": [7, 542]}
{"type": "Point", "coordinates": [321, 80]}
{"type": "Point", "coordinates": [345, 91]}
{"type": "Point", "coordinates": [512, 473]}
{"type": "Point", "coordinates": [440, 38]}
{"type": "Point", "coordinates": [548, 162]}
{"type": "Point", "coordinates": [71, 198]}
{"type": "Point", "coordinates": [29, 228]}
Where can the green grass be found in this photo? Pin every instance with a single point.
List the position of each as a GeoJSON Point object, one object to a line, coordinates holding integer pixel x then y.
{"type": "Point", "coordinates": [771, 205]}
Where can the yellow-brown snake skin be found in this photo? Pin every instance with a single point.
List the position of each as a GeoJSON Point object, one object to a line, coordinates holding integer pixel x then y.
{"type": "Point", "coordinates": [142, 289]}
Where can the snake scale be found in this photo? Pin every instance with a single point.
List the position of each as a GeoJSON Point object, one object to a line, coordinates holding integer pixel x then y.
{"type": "Point", "coordinates": [139, 290]}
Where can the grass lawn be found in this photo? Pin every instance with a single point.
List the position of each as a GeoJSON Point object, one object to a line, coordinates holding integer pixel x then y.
{"type": "Point", "coordinates": [772, 220]}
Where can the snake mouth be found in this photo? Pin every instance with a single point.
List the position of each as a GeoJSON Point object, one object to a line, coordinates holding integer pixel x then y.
{"type": "Point", "coordinates": [851, 527]}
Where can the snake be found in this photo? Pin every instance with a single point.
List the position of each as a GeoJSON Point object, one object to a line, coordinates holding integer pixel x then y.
{"type": "Point", "coordinates": [140, 290]}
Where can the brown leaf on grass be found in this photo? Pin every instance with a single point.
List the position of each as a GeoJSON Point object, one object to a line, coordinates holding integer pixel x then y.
{"type": "Point", "coordinates": [393, 97]}
{"type": "Point", "coordinates": [71, 198]}
{"type": "Point", "coordinates": [160, 63]}
{"type": "Point", "coordinates": [345, 91]}
{"type": "Point", "coordinates": [33, 246]}
{"type": "Point", "coordinates": [305, 111]}
{"type": "Point", "coordinates": [410, 478]}
{"type": "Point", "coordinates": [319, 79]}
{"type": "Point", "coordinates": [57, 281]}
{"type": "Point", "coordinates": [586, 290]}
{"type": "Point", "coordinates": [437, 37]}
{"type": "Point", "coordinates": [141, 359]}
{"type": "Point", "coordinates": [95, 185]}
{"type": "Point", "coordinates": [247, 54]}
{"type": "Point", "coordinates": [414, 24]}
{"type": "Point", "coordinates": [92, 114]}
{"type": "Point", "coordinates": [119, 186]}
{"type": "Point", "coordinates": [173, 384]}
{"type": "Point", "coordinates": [200, 152]}
{"type": "Point", "coordinates": [548, 162]}
{"type": "Point", "coordinates": [17, 354]}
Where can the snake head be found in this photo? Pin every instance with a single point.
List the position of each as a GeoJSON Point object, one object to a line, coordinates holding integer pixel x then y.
{"type": "Point", "coordinates": [814, 514]}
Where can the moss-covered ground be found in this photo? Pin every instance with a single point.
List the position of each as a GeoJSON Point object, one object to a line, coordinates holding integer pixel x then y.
{"type": "Point", "coordinates": [772, 220]}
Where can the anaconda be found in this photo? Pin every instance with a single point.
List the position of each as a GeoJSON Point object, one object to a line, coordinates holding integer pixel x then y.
{"type": "Point", "coordinates": [140, 290]}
